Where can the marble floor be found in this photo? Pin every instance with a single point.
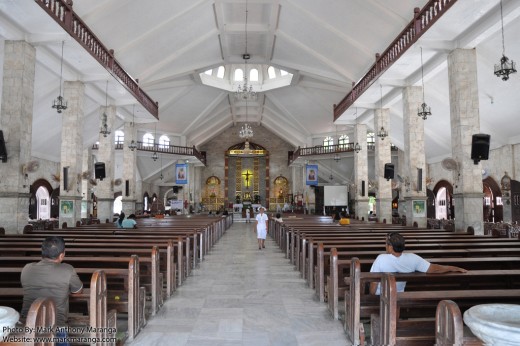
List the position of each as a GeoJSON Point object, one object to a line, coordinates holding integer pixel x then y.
{"type": "Point", "coordinates": [241, 295]}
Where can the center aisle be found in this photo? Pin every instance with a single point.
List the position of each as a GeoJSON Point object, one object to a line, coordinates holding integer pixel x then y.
{"type": "Point", "coordinates": [241, 295]}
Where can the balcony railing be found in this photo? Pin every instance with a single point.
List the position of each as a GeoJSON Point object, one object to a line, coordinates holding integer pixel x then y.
{"type": "Point", "coordinates": [165, 149]}
{"type": "Point", "coordinates": [329, 149]}
{"type": "Point", "coordinates": [422, 21]}
{"type": "Point", "coordinates": [61, 11]}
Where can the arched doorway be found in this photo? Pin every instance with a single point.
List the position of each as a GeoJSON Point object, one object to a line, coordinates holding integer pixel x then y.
{"type": "Point", "coordinates": [40, 201]}
{"type": "Point", "coordinates": [430, 204]}
{"type": "Point", "coordinates": [118, 203]}
{"type": "Point", "coordinates": [443, 194]}
{"type": "Point", "coordinates": [493, 211]}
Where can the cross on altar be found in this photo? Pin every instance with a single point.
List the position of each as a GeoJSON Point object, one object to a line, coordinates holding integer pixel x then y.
{"type": "Point", "coordinates": [247, 175]}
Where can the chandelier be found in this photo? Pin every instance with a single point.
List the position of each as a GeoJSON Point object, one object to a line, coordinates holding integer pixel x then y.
{"type": "Point", "coordinates": [245, 91]}
{"type": "Point", "coordinates": [60, 104]}
{"type": "Point", "coordinates": [154, 155]}
{"type": "Point", "coordinates": [133, 145]}
{"type": "Point", "coordinates": [105, 131]}
{"type": "Point", "coordinates": [246, 131]}
{"type": "Point", "coordinates": [382, 133]}
{"type": "Point", "coordinates": [506, 66]}
{"type": "Point", "coordinates": [424, 110]}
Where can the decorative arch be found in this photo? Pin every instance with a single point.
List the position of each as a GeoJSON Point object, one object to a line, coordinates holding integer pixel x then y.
{"type": "Point", "coordinates": [281, 187]}
{"type": "Point", "coordinates": [493, 211]}
{"type": "Point", "coordinates": [212, 187]}
{"type": "Point", "coordinates": [34, 202]}
{"type": "Point", "coordinates": [443, 194]}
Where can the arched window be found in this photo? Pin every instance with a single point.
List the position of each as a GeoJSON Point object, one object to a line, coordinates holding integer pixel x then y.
{"type": "Point", "coordinates": [328, 141]}
{"type": "Point", "coordinates": [284, 73]}
{"type": "Point", "coordinates": [371, 139]}
{"type": "Point", "coordinates": [253, 75]}
{"type": "Point", "coordinates": [119, 137]}
{"type": "Point", "coordinates": [148, 140]}
{"type": "Point", "coordinates": [239, 75]}
{"type": "Point", "coordinates": [208, 72]}
{"type": "Point", "coordinates": [271, 72]}
{"type": "Point", "coordinates": [164, 142]}
{"type": "Point", "coordinates": [343, 141]}
{"type": "Point", "coordinates": [43, 205]}
{"type": "Point", "coordinates": [220, 72]}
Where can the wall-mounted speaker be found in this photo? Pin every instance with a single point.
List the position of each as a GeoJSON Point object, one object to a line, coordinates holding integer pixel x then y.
{"type": "Point", "coordinates": [127, 188]}
{"type": "Point", "coordinates": [175, 189]}
{"type": "Point", "coordinates": [419, 179]}
{"type": "Point", "coordinates": [3, 150]}
{"type": "Point", "coordinates": [66, 178]}
{"type": "Point", "coordinates": [480, 147]}
{"type": "Point", "coordinates": [99, 170]}
{"type": "Point", "coordinates": [362, 188]}
{"type": "Point", "coordinates": [389, 171]}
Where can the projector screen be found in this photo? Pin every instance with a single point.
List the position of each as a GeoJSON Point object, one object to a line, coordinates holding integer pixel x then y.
{"type": "Point", "coordinates": [335, 195]}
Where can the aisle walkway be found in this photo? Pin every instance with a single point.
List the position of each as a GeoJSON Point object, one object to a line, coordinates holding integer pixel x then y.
{"type": "Point", "coordinates": [243, 296]}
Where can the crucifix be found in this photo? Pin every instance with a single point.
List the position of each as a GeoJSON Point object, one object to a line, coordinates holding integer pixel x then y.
{"type": "Point", "coordinates": [247, 175]}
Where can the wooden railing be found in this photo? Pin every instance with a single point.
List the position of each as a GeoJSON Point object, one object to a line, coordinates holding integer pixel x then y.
{"type": "Point", "coordinates": [165, 149]}
{"type": "Point", "coordinates": [422, 21]}
{"type": "Point", "coordinates": [329, 149]}
{"type": "Point", "coordinates": [61, 11]}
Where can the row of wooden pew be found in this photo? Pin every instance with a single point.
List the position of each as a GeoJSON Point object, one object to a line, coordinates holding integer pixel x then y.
{"type": "Point", "coordinates": [335, 260]}
{"type": "Point", "coordinates": [142, 267]}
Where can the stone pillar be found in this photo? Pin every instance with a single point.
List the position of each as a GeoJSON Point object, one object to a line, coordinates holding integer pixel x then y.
{"type": "Point", "coordinates": [401, 207]}
{"type": "Point", "coordinates": [361, 171]}
{"type": "Point", "coordinates": [86, 186]}
{"type": "Point", "coordinates": [382, 155]}
{"type": "Point", "coordinates": [465, 121]}
{"type": "Point", "coordinates": [129, 168]}
{"type": "Point", "coordinates": [414, 158]}
{"type": "Point", "coordinates": [71, 153]}
{"type": "Point", "coordinates": [16, 124]}
{"type": "Point", "coordinates": [105, 187]}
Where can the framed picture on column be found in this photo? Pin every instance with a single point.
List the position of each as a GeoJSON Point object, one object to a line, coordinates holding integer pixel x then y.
{"type": "Point", "coordinates": [311, 174]}
{"type": "Point", "coordinates": [181, 173]}
{"type": "Point", "coordinates": [419, 208]}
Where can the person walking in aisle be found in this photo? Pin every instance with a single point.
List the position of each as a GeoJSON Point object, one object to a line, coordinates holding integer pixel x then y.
{"type": "Point", "coordinates": [248, 215]}
{"type": "Point", "coordinates": [261, 228]}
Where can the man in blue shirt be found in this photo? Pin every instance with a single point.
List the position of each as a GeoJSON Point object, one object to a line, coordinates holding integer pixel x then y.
{"type": "Point", "coordinates": [129, 222]}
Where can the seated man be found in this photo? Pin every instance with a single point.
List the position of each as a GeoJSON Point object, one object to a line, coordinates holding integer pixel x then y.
{"type": "Point", "coordinates": [50, 278]}
{"type": "Point", "coordinates": [129, 222]}
{"type": "Point", "coordinates": [395, 261]}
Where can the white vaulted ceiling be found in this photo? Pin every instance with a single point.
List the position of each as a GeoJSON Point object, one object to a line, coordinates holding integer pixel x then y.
{"type": "Point", "coordinates": [326, 44]}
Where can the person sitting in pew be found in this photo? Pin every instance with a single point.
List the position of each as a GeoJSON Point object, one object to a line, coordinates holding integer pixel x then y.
{"type": "Point", "coordinates": [395, 261]}
{"type": "Point", "coordinates": [129, 222]}
{"type": "Point", "coordinates": [50, 278]}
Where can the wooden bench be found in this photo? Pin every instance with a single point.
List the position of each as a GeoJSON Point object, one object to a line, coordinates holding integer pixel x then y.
{"type": "Point", "coordinates": [449, 326]}
{"type": "Point", "coordinates": [388, 329]}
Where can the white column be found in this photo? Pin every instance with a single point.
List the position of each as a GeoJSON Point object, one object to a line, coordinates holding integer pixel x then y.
{"type": "Point", "coordinates": [382, 156]}
{"type": "Point", "coordinates": [105, 187]}
{"type": "Point", "coordinates": [361, 171]}
{"type": "Point", "coordinates": [71, 153]}
{"type": "Point", "coordinates": [16, 124]}
{"type": "Point", "coordinates": [465, 121]}
{"type": "Point", "coordinates": [414, 158]}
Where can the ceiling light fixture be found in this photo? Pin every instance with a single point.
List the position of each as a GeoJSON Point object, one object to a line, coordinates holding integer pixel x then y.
{"type": "Point", "coordinates": [382, 132]}
{"type": "Point", "coordinates": [105, 131]}
{"type": "Point", "coordinates": [133, 145]}
{"type": "Point", "coordinates": [357, 147]}
{"type": "Point", "coordinates": [505, 67]}
{"type": "Point", "coordinates": [424, 110]}
{"type": "Point", "coordinates": [154, 155]}
{"type": "Point", "coordinates": [246, 131]}
{"type": "Point", "coordinates": [336, 156]}
{"type": "Point", "coordinates": [60, 104]}
{"type": "Point", "coordinates": [245, 91]}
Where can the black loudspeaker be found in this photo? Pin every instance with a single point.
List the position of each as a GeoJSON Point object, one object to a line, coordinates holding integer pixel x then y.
{"type": "Point", "coordinates": [362, 188]}
{"type": "Point", "coordinates": [389, 171]}
{"type": "Point", "coordinates": [3, 150]}
{"type": "Point", "coordinates": [99, 169]}
{"type": "Point", "coordinates": [127, 188]}
{"type": "Point", "coordinates": [175, 189]}
{"type": "Point", "coordinates": [66, 178]}
{"type": "Point", "coordinates": [419, 179]}
{"type": "Point", "coordinates": [480, 147]}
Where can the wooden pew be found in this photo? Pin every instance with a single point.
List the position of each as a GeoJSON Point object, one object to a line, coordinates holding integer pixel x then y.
{"type": "Point", "coordinates": [388, 329]}
{"type": "Point", "coordinates": [449, 326]}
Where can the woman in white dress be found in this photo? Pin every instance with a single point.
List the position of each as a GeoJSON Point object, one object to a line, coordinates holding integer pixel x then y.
{"type": "Point", "coordinates": [261, 228]}
{"type": "Point", "coordinates": [248, 215]}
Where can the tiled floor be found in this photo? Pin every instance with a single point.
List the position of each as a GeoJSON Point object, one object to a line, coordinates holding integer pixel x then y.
{"type": "Point", "coordinates": [243, 296]}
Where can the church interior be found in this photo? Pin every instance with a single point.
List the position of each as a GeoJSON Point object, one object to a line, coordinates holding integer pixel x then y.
{"type": "Point", "coordinates": [388, 112]}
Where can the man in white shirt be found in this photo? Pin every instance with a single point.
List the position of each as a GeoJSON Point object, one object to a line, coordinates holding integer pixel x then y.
{"type": "Point", "coordinates": [261, 227]}
{"type": "Point", "coordinates": [395, 261]}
